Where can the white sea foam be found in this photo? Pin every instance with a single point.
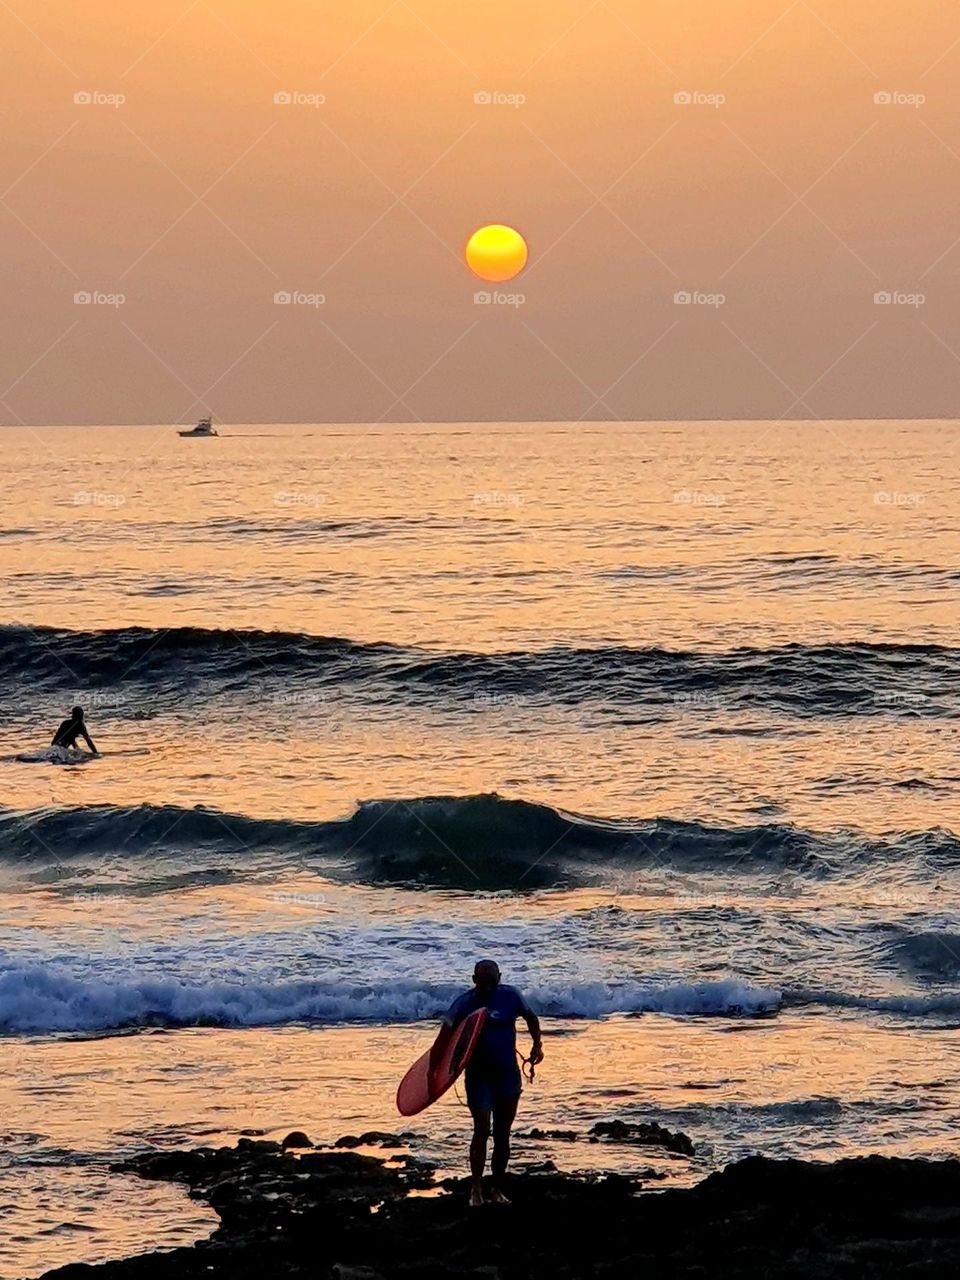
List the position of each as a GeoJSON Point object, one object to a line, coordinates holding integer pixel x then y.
{"type": "Point", "coordinates": [48, 999]}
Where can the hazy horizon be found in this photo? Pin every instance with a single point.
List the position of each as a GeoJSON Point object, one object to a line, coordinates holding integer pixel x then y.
{"type": "Point", "coordinates": [492, 422]}
{"type": "Point", "coordinates": [779, 168]}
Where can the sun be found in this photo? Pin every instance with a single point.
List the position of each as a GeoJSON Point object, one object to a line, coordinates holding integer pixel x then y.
{"type": "Point", "coordinates": [496, 252]}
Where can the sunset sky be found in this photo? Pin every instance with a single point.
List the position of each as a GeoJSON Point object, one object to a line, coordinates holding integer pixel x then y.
{"type": "Point", "coordinates": [782, 194]}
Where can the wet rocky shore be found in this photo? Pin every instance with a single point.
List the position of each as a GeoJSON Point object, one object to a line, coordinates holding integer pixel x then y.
{"type": "Point", "coordinates": [290, 1210]}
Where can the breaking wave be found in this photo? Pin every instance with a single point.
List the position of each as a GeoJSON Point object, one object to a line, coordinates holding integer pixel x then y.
{"type": "Point", "coordinates": [838, 679]}
{"type": "Point", "coordinates": [46, 1000]}
{"type": "Point", "coordinates": [474, 842]}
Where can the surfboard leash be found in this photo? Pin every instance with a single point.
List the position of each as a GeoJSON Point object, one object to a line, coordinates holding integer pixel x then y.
{"type": "Point", "coordinates": [528, 1068]}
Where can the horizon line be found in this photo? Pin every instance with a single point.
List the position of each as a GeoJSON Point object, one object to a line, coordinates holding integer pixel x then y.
{"type": "Point", "coordinates": [479, 422]}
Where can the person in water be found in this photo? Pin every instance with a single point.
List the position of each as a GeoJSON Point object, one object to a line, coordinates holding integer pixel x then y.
{"type": "Point", "coordinates": [72, 729]}
{"type": "Point", "coordinates": [493, 1076]}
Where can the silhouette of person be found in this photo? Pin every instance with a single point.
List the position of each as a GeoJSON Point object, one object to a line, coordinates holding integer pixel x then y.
{"type": "Point", "coordinates": [492, 1077]}
{"type": "Point", "coordinates": [72, 729]}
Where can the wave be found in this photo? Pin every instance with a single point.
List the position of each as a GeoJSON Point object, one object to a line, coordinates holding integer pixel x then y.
{"type": "Point", "coordinates": [943, 1005]}
{"type": "Point", "coordinates": [869, 679]}
{"type": "Point", "coordinates": [932, 955]}
{"type": "Point", "coordinates": [473, 842]}
{"type": "Point", "coordinates": [75, 659]}
{"type": "Point", "coordinates": [46, 999]}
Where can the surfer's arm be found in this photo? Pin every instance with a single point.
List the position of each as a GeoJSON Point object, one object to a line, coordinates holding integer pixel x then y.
{"type": "Point", "coordinates": [89, 741]}
{"type": "Point", "coordinates": [533, 1026]}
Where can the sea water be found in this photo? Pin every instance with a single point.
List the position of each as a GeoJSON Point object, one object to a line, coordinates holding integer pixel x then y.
{"type": "Point", "coordinates": [662, 717]}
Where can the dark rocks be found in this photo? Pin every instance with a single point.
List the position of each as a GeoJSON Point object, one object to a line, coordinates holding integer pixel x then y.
{"type": "Point", "coordinates": [350, 1216]}
{"type": "Point", "coordinates": [648, 1134]}
{"type": "Point", "coordinates": [346, 1174]}
{"type": "Point", "coordinates": [296, 1139]}
{"type": "Point", "coordinates": [373, 1138]}
{"type": "Point", "coordinates": [258, 1144]}
{"type": "Point", "coordinates": [412, 1162]}
{"type": "Point", "coordinates": [538, 1166]}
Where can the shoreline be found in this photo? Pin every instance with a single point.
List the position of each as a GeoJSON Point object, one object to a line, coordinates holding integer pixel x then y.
{"type": "Point", "coordinates": [790, 1088]}
{"type": "Point", "coordinates": [292, 1210]}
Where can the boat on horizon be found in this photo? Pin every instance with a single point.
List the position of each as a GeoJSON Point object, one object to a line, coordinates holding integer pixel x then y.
{"type": "Point", "coordinates": [204, 427]}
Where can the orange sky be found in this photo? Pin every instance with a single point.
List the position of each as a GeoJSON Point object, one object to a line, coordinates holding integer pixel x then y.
{"type": "Point", "coordinates": [784, 187]}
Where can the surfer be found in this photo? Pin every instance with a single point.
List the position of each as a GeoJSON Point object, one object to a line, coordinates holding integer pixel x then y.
{"type": "Point", "coordinates": [492, 1076]}
{"type": "Point", "coordinates": [72, 729]}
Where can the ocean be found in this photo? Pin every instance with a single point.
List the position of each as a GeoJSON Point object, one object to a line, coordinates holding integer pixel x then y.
{"type": "Point", "coordinates": [660, 716]}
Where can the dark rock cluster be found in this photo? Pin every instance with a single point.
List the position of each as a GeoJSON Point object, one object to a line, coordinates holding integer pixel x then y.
{"type": "Point", "coordinates": [646, 1134]}
{"type": "Point", "coordinates": [342, 1215]}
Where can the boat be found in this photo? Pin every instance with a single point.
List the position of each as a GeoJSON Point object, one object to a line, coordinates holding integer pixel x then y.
{"type": "Point", "coordinates": [203, 428]}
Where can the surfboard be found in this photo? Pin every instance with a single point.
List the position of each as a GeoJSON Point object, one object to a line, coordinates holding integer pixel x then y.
{"type": "Point", "coordinates": [420, 1087]}
{"type": "Point", "coordinates": [71, 755]}
{"type": "Point", "coordinates": [55, 755]}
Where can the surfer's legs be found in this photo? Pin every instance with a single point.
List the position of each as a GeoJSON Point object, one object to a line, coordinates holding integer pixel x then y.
{"type": "Point", "coordinates": [504, 1114]}
{"type": "Point", "coordinates": [478, 1148]}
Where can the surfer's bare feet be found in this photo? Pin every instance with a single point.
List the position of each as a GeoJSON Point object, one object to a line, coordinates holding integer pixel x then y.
{"type": "Point", "coordinates": [476, 1196]}
{"type": "Point", "coordinates": [497, 1197]}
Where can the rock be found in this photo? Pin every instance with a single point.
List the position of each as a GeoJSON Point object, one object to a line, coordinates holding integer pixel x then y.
{"type": "Point", "coordinates": [262, 1145]}
{"type": "Point", "coordinates": [349, 1169]}
{"type": "Point", "coordinates": [643, 1135]}
{"type": "Point", "coordinates": [171, 1166]}
{"type": "Point", "coordinates": [373, 1138]}
{"type": "Point", "coordinates": [295, 1139]}
{"type": "Point", "coordinates": [286, 1217]}
{"type": "Point", "coordinates": [553, 1135]}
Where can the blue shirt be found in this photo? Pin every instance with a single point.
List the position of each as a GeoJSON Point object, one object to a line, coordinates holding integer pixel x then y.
{"type": "Point", "coordinates": [496, 1049]}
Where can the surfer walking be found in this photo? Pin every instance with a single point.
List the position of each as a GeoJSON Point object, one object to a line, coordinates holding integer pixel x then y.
{"type": "Point", "coordinates": [72, 729]}
{"type": "Point", "coordinates": [492, 1077]}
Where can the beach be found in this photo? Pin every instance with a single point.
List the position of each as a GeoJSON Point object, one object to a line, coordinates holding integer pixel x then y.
{"type": "Point", "coordinates": [661, 717]}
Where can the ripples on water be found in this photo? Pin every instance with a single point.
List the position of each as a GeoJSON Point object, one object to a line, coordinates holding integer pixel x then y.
{"type": "Point", "coordinates": [664, 717]}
